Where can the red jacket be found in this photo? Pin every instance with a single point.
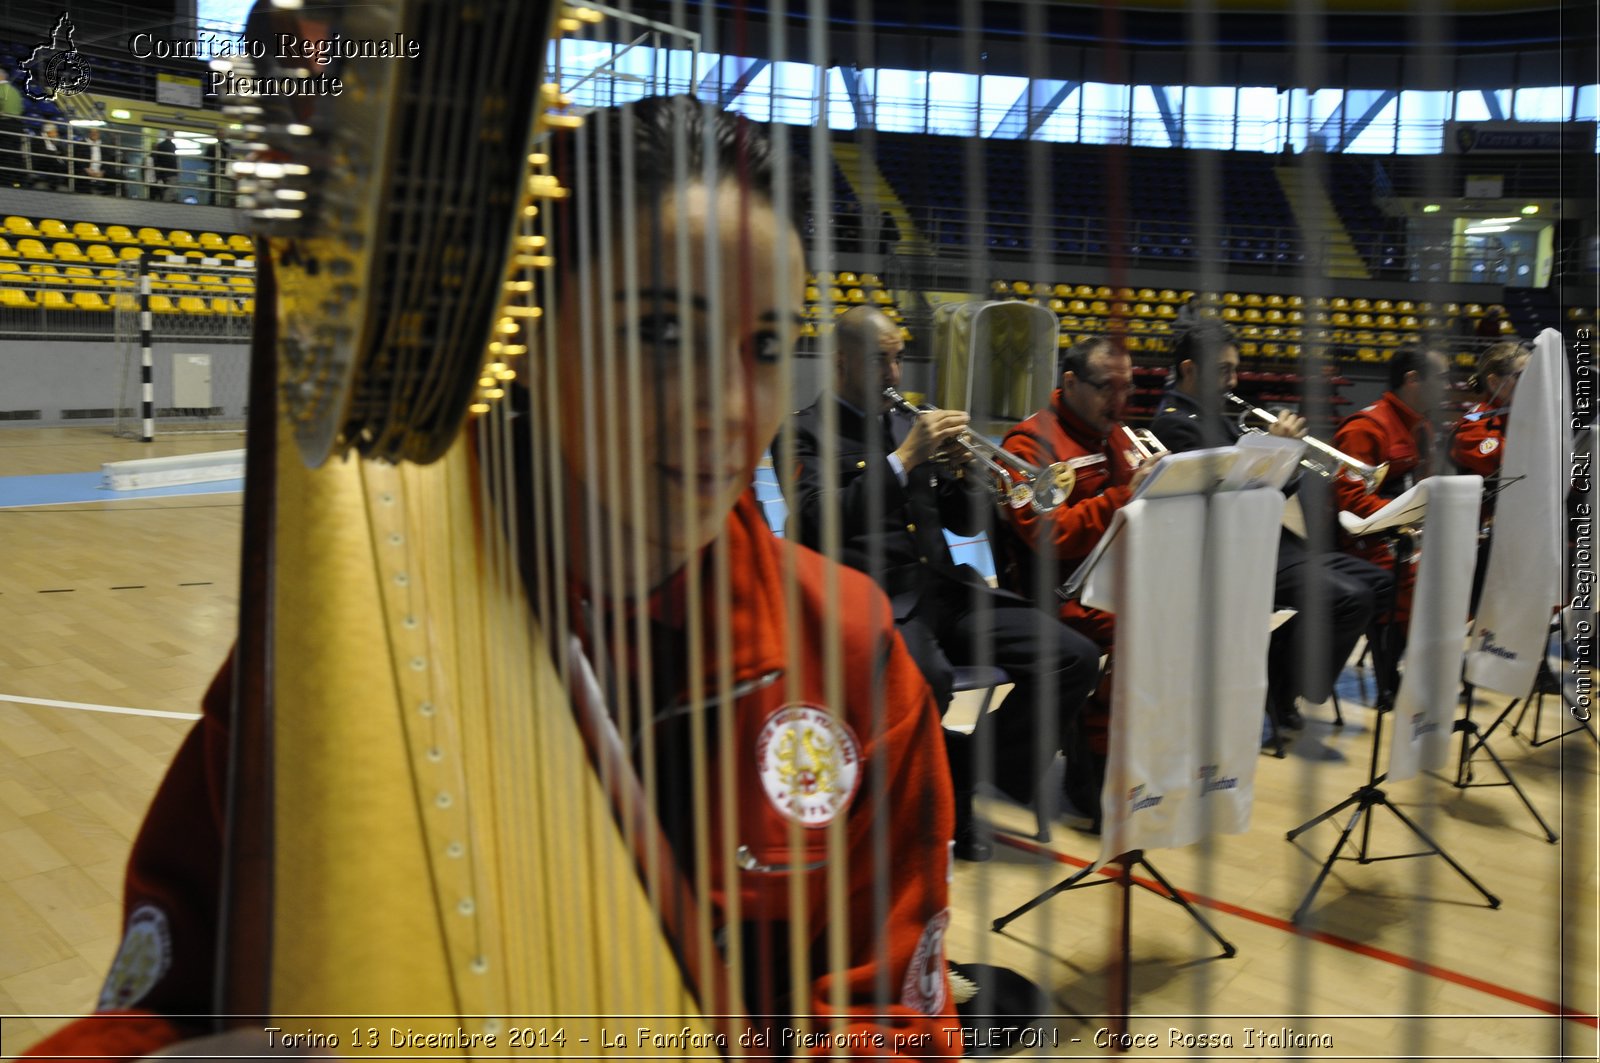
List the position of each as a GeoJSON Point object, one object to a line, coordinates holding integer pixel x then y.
{"type": "Point", "coordinates": [1479, 443]}
{"type": "Point", "coordinates": [874, 753]}
{"type": "Point", "coordinates": [1065, 535]}
{"type": "Point", "coordinates": [1387, 431]}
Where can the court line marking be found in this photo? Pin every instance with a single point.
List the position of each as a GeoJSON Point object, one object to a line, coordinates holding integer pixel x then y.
{"type": "Point", "coordinates": [1515, 996]}
{"type": "Point", "coordinates": [120, 710]}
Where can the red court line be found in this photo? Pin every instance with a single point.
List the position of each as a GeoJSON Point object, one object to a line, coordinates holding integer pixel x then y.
{"type": "Point", "coordinates": [1549, 1007]}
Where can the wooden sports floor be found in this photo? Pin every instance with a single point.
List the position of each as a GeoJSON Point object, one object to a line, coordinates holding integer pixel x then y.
{"type": "Point", "coordinates": [129, 606]}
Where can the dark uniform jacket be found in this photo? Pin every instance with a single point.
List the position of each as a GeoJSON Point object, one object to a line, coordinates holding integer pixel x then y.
{"type": "Point", "coordinates": [893, 533]}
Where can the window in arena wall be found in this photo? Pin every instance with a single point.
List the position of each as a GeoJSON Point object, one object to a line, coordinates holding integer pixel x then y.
{"type": "Point", "coordinates": [902, 101]}
{"type": "Point", "coordinates": [1208, 116]}
{"type": "Point", "coordinates": [999, 95]}
{"type": "Point", "coordinates": [1262, 119]}
{"type": "Point", "coordinates": [952, 104]}
{"type": "Point", "coordinates": [1064, 123]}
{"type": "Point", "coordinates": [1422, 118]}
{"type": "Point", "coordinates": [794, 93]}
{"type": "Point", "coordinates": [841, 112]}
{"type": "Point", "coordinates": [1542, 105]}
{"type": "Point", "coordinates": [1377, 137]}
{"type": "Point", "coordinates": [1105, 112]}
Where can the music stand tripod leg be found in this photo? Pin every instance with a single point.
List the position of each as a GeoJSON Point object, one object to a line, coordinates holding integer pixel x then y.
{"type": "Point", "coordinates": [1177, 898]}
{"type": "Point", "coordinates": [1494, 902]}
{"type": "Point", "coordinates": [1072, 882]}
{"type": "Point", "coordinates": [1327, 865]}
{"type": "Point", "coordinates": [1481, 742]}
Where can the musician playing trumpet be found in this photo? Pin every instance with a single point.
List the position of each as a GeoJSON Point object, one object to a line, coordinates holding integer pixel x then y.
{"type": "Point", "coordinates": [1036, 551]}
{"type": "Point", "coordinates": [1396, 430]}
{"type": "Point", "coordinates": [894, 503]}
{"type": "Point", "coordinates": [1306, 652]}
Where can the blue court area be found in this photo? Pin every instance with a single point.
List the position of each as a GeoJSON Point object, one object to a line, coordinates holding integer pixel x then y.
{"type": "Point", "coordinates": [965, 551]}
{"type": "Point", "coordinates": [60, 489]}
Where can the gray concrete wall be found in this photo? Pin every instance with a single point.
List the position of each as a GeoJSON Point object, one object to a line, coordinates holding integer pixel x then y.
{"type": "Point", "coordinates": [51, 383]}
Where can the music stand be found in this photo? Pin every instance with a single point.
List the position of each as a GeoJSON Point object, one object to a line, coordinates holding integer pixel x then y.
{"type": "Point", "coordinates": [1542, 684]}
{"type": "Point", "coordinates": [1522, 587]}
{"type": "Point", "coordinates": [1366, 798]}
{"type": "Point", "coordinates": [1166, 796]}
{"type": "Point", "coordinates": [1439, 600]}
{"type": "Point", "coordinates": [1470, 747]}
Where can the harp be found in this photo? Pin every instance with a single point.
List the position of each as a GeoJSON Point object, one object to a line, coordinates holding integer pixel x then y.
{"type": "Point", "coordinates": [388, 858]}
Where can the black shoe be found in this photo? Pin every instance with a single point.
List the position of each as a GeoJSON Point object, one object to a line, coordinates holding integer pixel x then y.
{"type": "Point", "coordinates": [971, 837]}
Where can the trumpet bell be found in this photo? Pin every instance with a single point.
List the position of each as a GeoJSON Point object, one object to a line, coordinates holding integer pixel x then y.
{"type": "Point", "coordinates": [1053, 486]}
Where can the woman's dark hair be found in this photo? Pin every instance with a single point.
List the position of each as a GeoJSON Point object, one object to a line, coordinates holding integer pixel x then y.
{"type": "Point", "coordinates": [740, 151]}
{"type": "Point", "coordinates": [1497, 359]}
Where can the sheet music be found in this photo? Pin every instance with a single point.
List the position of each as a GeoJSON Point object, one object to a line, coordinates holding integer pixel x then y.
{"type": "Point", "coordinates": [1407, 509]}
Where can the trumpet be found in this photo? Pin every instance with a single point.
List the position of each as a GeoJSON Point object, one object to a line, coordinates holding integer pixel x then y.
{"type": "Point", "coordinates": [1324, 460]}
{"type": "Point", "coordinates": [1145, 446]}
{"type": "Point", "coordinates": [1016, 483]}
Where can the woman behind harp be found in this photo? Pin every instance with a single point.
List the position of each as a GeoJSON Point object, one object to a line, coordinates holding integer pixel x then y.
{"type": "Point", "coordinates": [798, 758]}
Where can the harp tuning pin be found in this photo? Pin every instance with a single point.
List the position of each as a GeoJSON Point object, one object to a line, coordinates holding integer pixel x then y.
{"type": "Point", "coordinates": [524, 311]}
{"type": "Point", "coordinates": [563, 121]}
{"type": "Point", "coordinates": [538, 158]}
{"type": "Point", "coordinates": [530, 243]}
{"type": "Point", "coordinates": [582, 14]}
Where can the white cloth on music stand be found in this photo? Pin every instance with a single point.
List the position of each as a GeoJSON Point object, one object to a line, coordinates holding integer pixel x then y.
{"type": "Point", "coordinates": [1523, 584]}
{"type": "Point", "coordinates": [1190, 579]}
{"type": "Point", "coordinates": [1425, 705]}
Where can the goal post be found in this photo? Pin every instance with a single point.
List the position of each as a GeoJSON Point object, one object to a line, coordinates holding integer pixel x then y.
{"type": "Point", "coordinates": [182, 331]}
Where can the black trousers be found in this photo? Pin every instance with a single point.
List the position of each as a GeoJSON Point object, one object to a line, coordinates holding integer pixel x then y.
{"type": "Point", "coordinates": [1336, 596]}
{"type": "Point", "coordinates": [1052, 667]}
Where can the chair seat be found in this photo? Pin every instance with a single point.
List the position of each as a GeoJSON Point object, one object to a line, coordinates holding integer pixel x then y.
{"type": "Point", "coordinates": [977, 677]}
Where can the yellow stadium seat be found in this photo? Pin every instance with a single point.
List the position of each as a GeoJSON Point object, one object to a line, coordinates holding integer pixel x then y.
{"type": "Point", "coordinates": [153, 238]}
{"type": "Point", "coordinates": [131, 253]}
{"type": "Point", "coordinates": [1473, 310]}
{"type": "Point", "coordinates": [1083, 291]}
{"type": "Point", "coordinates": [871, 280]}
{"type": "Point", "coordinates": [1382, 306]}
{"type": "Point", "coordinates": [1168, 295]}
{"type": "Point", "coordinates": [89, 301]}
{"type": "Point", "coordinates": [855, 296]}
{"type": "Point", "coordinates": [1127, 295]}
{"type": "Point", "coordinates": [1147, 295]}
{"type": "Point", "coordinates": [67, 251]}
{"type": "Point", "coordinates": [46, 274]}
{"type": "Point", "coordinates": [1408, 322]}
{"type": "Point", "coordinates": [1231, 299]}
{"type": "Point", "coordinates": [1166, 311]}
{"type": "Point", "coordinates": [7, 251]}
{"type": "Point", "coordinates": [1339, 302]}
{"type": "Point", "coordinates": [881, 297]}
{"type": "Point", "coordinates": [812, 294]}
{"type": "Point", "coordinates": [82, 276]}
{"type": "Point", "coordinates": [160, 304]}
{"type": "Point", "coordinates": [15, 298]}
{"type": "Point", "coordinates": [51, 299]}
{"type": "Point", "coordinates": [1248, 349]}
{"type": "Point", "coordinates": [1253, 314]}
{"type": "Point", "coordinates": [847, 279]}
{"type": "Point", "coordinates": [1360, 304]}
{"type": "Point", "coordinates": [220, 305]}
{"type": "Point", "coordinates": [120, 234]}
{"type": "Point", "coordinates": [125, 301]}
{"type": "Point", "coordinates": [836, 294]}
{"type": "Point", "coordinates": [13, 268]}
{"type": "Point", "coordinates": [1230, 313]}
{"type": "Point", "coordinates": [34, 249]}
{"type": "Point", "coordinates": [1275, 300]}
{"type": "Point", "coordinates": [1144, 310]}
{"type": "Point", "coordinates": [87, 230]}
{"type": "Point", "coordinates": [1253, 299]}
{"type": "Point", "coordinates": [181, 238]}
{"type": "Point", "coordinates": [1062, 291]}
{"type": "Point", "coordinates": [1404, 306]}
{"type": "Point", "coordinates": [100, 253]}
{"type": "Point", "coordinates": [54, 229]}
{"type": "Point", "coordinates": [20, 226]}
{"type": "Point", "coordinates": [1339, 318]}
{"type": "Point", "coordinates": [1102, 292]}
